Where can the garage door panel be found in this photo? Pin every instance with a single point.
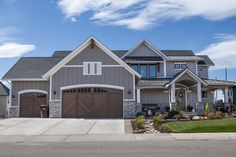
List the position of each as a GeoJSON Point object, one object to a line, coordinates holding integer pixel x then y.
{"type": "Point", "coordinates": [100, 105]}
{"type": "Point", "coordinates": [84, 104]}
{"type": "Point", "coordinates": [69, 109]}
{"type": "Point", "coordinates": [115, 107]}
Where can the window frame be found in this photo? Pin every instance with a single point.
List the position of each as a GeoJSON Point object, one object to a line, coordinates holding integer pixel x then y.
{"type": "Point", "coordinates": [180, 66]}
{"type": "Point", "coordinates": [92, 68]}
{"type": "Point", "coordinates": [141, 65]}
{"type": "Point", "coordinates": [155, 70]}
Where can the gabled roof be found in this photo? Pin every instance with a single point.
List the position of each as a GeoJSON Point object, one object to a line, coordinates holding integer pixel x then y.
{"type": "Point", "coordinates": [149, 45]}
{"type": "Point", "coordinates": [193, 75]}
{"type": "Point", "coordinates": [4, 91]}
{"type": "Point", "coordinates": [31, 68]}
{"type": "Point", "coordinates": [81, 48]}
{"type": "Point", "coordinates": [205, 60]}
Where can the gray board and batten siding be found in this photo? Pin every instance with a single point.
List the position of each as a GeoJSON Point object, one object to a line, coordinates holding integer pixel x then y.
{"type": "Point", "coordinates": [18, 86]}
{"type": "Point", "coordinates": [69, 76]}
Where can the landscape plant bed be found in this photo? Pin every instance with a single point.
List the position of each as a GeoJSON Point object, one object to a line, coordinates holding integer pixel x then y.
{"type": "Point", "coordinates": [148, 127]}
{"type": "Point", "coordinates": [203, 126]}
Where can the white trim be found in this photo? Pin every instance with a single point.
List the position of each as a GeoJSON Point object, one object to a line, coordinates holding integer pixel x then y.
{"type": "Point", "coordinates": [29, 91]}
{"type": "Point", "coordinates": [191, 74]}
{"type": "Point", "coordinates": [80, 49]}
{"type": "Point", "coordinates": [25, 79]}
{"type": "Point", "coordinates": [149, 45]}
{"type": "Point", "coordinates": [32, 91]}
{"type": "Point", "coordinates": [91, 85]}
{"type": "Point", "coordinates": [138, 96]}
{"type": "Point", "coordinates": [165, 69]}
{"type": "Point", "coordinates": [73, 66]}
{"type": "Point", "coordinates": [50, 88]}
{"type": "Point", "coordinates": [105, 66]}
{"type": "Point", "coordinates": [81, 66]}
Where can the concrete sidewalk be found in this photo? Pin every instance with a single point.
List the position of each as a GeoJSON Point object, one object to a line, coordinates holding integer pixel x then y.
{"type": "Point", "coordinates": [117, 137]}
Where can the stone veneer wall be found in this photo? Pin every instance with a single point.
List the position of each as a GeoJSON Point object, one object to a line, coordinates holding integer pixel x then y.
{"type": "Point", "coordinates": [55, 109]}
{"type": "Point", "coordinates": [13, 112]}
{"type": "Point", "coordinates": [131, 108]}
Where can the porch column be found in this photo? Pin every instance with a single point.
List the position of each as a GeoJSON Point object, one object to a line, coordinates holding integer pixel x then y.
{"type": "Point", "coordinates": [199, 92]}
{"type": "Point", "coordinates": [226, 96]}
{"type": "Point", "coordinates": [138, 96]}
{"type": "Point", "coordinates": [172, 93]}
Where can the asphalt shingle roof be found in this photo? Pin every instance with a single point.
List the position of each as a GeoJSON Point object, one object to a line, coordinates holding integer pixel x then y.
{"type": "Point", "coordinates": [178, 52]}
{"type": "Point", "coordinates": [31, 67]}
{"type": "Point", "coordinates": [4, 91]}
{"type": "Point", "coordinates": [206, 60]}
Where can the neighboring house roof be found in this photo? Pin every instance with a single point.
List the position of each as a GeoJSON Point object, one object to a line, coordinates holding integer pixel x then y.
{"type": "Point", "coordinates": [61, 54]}
{"type": "Point", "coordinates": [80, 49]}
{"type": "Point", "coordinates": [205, 60]}
{"type": "Point", "coordinates": [31, 67]}
{"type": "Point", "coordinates": [4, 91]}
{"type": "Point", "coordinates": [178, 52]}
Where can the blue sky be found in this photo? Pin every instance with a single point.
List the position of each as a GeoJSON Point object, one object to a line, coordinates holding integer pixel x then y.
{"type": "Point", "coordinates": [38, 28]}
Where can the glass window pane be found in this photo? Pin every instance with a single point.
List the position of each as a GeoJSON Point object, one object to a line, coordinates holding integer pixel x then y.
{"type": "Point", "coordinates": [152, 70]}
{"type": "Point", "coordinates": [177, 66]}
{"type": "Point", "coordinates": [135, 67]}
{"type": "Point", "coordinates": [143, 70]}
{"type": "Point", "coordinates": [183, 66]}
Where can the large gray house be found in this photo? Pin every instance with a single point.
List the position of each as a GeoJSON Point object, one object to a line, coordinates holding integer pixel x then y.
{"type": "Point", "coordinates": [95, 82]}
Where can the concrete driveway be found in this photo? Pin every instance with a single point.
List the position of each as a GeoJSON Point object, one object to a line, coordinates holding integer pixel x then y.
{"type": "Point", "coordinates": [37, 126]}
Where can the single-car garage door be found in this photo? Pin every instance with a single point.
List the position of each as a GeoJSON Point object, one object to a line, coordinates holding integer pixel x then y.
{"type": "Point", "coordinates": [92, 103]}
{"type": "Point", "coordinates": [30, 104]}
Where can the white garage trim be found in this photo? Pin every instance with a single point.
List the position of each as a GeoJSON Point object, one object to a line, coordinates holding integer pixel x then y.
{"type": "Point", "coordinates": [28, 91]}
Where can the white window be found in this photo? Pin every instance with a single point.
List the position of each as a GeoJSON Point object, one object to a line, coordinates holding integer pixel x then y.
{"type": "Point", "coordinates": [92, 68]}
{"type": "Point", "coordinates": [180, 66]}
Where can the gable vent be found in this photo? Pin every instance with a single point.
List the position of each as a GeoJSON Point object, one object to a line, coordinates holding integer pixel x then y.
{"type": "Point", "coordinates": [92, 44]}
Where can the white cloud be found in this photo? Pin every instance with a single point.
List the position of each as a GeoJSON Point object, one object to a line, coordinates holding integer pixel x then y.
{"type": "Point", "coordinates": [142, 14]}
{"type": "Point", "coordinates": [8, 45]}
{"type": "Point", "coordinates": [12, 49]}
{"type": "Point", "coordinates": [223, 51]}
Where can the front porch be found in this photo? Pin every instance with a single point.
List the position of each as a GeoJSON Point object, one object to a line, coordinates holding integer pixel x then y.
{"type": "Point", "coordinates": [185, 92]}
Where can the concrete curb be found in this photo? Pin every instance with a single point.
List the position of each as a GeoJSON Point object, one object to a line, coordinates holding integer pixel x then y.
{"type": "Point", "coordinates": [116, 137]}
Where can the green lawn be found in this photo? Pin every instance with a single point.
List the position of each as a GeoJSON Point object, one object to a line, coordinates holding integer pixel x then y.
{"type": "Point", "coordinates": [201, 126]}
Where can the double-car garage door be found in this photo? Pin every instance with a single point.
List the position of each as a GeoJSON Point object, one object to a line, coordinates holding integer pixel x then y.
{"type": "Point", "coordinates": [92, 103]}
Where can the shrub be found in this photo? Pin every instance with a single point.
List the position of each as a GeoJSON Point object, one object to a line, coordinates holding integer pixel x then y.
{"type": "Point", "coordinates": [219, 115]}
{"type": "Point", "coordinates": [139, 114]}
{"type": "Point", "coordinates": [164, 128]}
{"type": "Point", "coordinates": [177, 108]}
{"type": "Point", "coordinates": [207, 110]}
{"type": "Point", "coordinates": [172, 114]}
{"type": "Point", "coordinates": [190, 108]}
{"type": "Point", "coordinates": [211, 115]}
{"type": "Point", "coordinates": [157, 121]}
{"type": "Point", "coordinates": [167, 108]}
{"type": "Point", "coordinates": [139, 122]}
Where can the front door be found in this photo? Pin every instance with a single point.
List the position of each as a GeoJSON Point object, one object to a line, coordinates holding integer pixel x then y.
{"type": "Point", "coordinates": [181, 99]}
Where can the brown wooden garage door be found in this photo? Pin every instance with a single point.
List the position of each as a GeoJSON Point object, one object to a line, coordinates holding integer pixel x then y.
{"type": "Point", "coordinates": [92, 103]}
{"type": "Point", "coordinates": [30, 104]}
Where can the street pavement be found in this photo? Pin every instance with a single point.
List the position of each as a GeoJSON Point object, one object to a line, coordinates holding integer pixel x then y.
{"type": "Point", "coordinates": [182, 148]}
